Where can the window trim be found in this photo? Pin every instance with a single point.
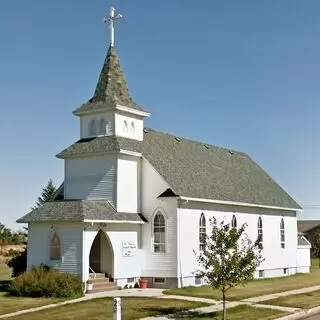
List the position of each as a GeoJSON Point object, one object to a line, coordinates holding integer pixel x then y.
{"type": "Point", "coordinates": [157, 282]}
{"type": "Point", "coordinates": [125, 126]}
{"type": "Point", "coordinates": [198, 280]}
{"type": "Point", "coordinates": [234, 222]}
{"type": "Point", "coordinates": [92, 128]}
{"type": "Point", "coordinates": [102, 126]}
{"type": "Point", "coordinates": [282, 233]}
{"type": "Point", "coordinates": [260, 231]}
{"type": "Point", "coordinates": [202, 231]}
{"type": "Point", "coordinates": [51, 247]}
{"type": "Point", "coordinates": [132, 127]}
{"type": "Point", "coordinates": [159, 211]}
{"type": "Point", "coordinates": [108, 128]}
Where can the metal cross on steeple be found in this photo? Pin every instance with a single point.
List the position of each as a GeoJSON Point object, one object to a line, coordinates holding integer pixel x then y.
{"type": "Point", "coordinates": [110, 20]}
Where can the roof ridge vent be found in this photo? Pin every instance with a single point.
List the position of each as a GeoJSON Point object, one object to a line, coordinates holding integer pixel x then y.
{"type": "Point", "coordinates": [178, 139]}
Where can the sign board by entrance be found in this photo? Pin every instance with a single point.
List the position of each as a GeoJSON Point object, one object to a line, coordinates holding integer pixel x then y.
{"type": "Point", "coordinates": [129, 248]}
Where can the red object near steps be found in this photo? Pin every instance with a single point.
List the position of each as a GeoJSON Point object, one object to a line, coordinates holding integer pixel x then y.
{"type": "Point", "coordinates": [143, 284]}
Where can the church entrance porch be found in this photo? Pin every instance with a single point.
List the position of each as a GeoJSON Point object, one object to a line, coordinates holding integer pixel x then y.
{"type": "Point", "coordinates": [110, 251]}
{"type": "Point", "coordinates": [101, 255]}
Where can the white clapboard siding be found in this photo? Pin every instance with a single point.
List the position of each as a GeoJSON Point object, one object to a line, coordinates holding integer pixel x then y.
{"type": "Point", "coordinates": [158, 264]}
{"type": "Point", "coordinates": [128, 183]}
{"type": "Point", "coordinates": [276, 258]}
{"type": "Point", "coordinates": [39, 240]}
{"type": "Point", "coordinates": [71, 250]}
{"type": "Point", "coordinates": [91, 178]}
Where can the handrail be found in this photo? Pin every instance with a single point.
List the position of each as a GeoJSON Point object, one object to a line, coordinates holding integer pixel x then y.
{"type": "Point", "coordinates": [94, 274]}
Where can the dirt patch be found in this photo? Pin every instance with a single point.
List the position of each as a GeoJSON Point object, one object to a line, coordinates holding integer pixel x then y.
{"type": "Point", "coordinates": [7, 247]}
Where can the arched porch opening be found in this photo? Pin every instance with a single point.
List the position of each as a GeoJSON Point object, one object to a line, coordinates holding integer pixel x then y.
{"type": "Point", "coordinates": [101, 257]}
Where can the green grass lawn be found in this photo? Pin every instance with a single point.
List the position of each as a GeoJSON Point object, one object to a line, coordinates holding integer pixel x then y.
{"type": "Point", "coordinates": [12, 304]}
{"type": "Point", "coordinates": [255, 287]}
{"type": "Point", "coordinates": [239, 313]}
{"type": "Point", "coordinates": [132, 308]}
{"type": "Point", "coordinates": [304, 301]}
{"type": "Point", "coordinates": [5, 273]}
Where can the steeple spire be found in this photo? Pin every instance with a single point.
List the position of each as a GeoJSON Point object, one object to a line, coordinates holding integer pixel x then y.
{"type": "Point", "coordinates": [112, 86]}
{"type": "Point", "coordinates": [112, 89]}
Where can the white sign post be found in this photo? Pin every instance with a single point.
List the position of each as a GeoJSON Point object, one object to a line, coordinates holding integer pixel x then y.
{"type": "Point", "coordinates": [117, 308]}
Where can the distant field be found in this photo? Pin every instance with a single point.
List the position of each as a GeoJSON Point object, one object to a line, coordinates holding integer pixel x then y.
{"type": "Point", "coordinates": [5, 272]}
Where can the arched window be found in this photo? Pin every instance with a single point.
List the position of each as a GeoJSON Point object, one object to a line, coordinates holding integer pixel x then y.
{"type": "Point", "coordinates": [202, 232]}
{"type": "Point", "coordinates": [132, 128]}
{"type": "Point", "coordinates": [234, 222]}
{"type": "Point", "coordinates": [260, 232]}
{"type": "Point", "coordinates": [102, 126]}
{"type": "Point", "coordinates": [125, 126]}
{"type": "Point", "coordinates": [92, 129]}
{"type": "Point", "coordinates": [55, 247]}
{"type": "Point", "coordinates": [159, 233]}
{"type": "Point", "coordinates": [282, 235]}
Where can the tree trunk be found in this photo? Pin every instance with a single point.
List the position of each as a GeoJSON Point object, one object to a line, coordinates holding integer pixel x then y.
{"type": "Point", "coordinates": [224, 310]}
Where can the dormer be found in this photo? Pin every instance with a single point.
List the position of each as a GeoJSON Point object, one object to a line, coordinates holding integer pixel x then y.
{"type": "Point", "coordinates": [111, 110]}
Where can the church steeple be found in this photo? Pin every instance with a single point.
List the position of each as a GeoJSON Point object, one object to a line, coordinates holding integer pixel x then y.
{"type": "Point", "coordinates": [112, 86]}
{"type": "Point", "coordinates": [112, 89]}
{"type": "Point", "coordinates": [111, 110]}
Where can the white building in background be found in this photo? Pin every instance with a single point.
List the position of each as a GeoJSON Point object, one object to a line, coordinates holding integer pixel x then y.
{"type": "Point", "coordinates": [135, 202]}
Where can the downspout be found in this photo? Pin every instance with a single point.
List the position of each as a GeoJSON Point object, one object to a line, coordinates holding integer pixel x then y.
{"type": "Point", "coordinates": [84, 258]}
{"type": "Point", "coordinates": [178, 240]}
{"type": "Point", "coordinates": [180, 283]}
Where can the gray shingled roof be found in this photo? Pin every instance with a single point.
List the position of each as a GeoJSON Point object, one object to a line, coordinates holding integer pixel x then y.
{"type": "Point", "coordinates": [307, 225]}
{"type": "Point", "coordinates": [195, 169]}
{"type": "Point", "coordinates": [78, 210]}
{"type": "Point", "coordinates": [112, 88]}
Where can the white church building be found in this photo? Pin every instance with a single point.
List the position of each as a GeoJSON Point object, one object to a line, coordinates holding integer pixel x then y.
{"type": "Point", "coordinates": [136, 202]}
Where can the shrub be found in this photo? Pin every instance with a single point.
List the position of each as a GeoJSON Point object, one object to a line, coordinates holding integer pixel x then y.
{"type": "Point", "coordinates": [18, 263]}
{"type": "Point", "coordinates": [44, 281]}
{"type": "Point", "coordinates": [12, 253]}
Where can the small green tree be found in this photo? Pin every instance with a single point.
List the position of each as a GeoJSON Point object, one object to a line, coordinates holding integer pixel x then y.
{"type": "Point", "coordinates": [47, 194]}
{"type": "Point", "coordinates": [229, 258]}
{"type": "Point", "coordinates": [316, 247]}
{"type": "Point", "coordinates": [18, 263]}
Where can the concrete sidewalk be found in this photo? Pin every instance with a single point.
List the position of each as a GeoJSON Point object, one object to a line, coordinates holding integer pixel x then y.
{"type": "Point", "coordinates": [158, 293]}
{"type": "Point", "coordinates": [280, 294]}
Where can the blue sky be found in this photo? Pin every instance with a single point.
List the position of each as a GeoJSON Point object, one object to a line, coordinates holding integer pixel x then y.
{"type": "Point", "coordinates": [239, 74]}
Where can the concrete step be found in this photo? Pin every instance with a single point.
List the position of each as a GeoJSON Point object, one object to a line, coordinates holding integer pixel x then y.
{"type": "Point", "coordinates": [103, 284]}
{"type": "Point", "coordinates": [101, 287]}
{"type": "Point", "coordinates": [100, 280]}
{"type": "Point", "coordinates": [98, 275]}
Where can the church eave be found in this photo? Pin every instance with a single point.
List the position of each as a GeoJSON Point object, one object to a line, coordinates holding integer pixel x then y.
{"type": "Point", "coordinates": [141, 112]}
{"type": "Point", "coordinates": [240, 204]}
{"type": "Point", "coordinates": [86, 154]}
{"type": "Point", "coordinates": [101, 211]}
{"type": "Point", "coordinates": [99, 107]}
